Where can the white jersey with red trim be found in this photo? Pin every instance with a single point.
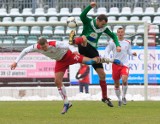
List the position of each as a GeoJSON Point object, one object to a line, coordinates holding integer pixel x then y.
{"type": "Point", "coordinates": [56, 50]}
{"type": "Point", "coordinates": [123, 55]}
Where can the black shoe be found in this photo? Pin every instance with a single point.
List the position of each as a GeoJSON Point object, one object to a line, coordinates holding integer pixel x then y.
{"type": "Point", "coordinates": [107, 101]}
{"type": "Point", "coordinates": [66, 107]}
{"type": "Point", "coordinates": [71, 37]}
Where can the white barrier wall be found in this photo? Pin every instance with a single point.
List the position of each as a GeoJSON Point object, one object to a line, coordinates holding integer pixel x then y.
{"type": "Point", "coordinates": [135, 93]}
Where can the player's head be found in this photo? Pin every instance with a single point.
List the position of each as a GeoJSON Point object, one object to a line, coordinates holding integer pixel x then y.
{"type": "Point", "coordinates": [43, 44]}
{"type": "Point", "coordinates": [101, 20]}
{"type": "Point", "coordinates": [120, 33]}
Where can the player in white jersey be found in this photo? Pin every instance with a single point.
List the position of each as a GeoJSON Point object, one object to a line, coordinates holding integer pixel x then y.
{"type": "Point", "coordinates": [64, 57]}
{"type": "Point", "coordinates": [120, 71]}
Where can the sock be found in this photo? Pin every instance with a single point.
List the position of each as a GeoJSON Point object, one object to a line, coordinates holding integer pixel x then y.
{"type": "Point", "coordinates": [103, 88]}
{"type": "Point", "coordinates": [62, 92]}
{"type": "Point", "coordinates": [124, 90]}
{"type": "Point", "coordinates": [78, 40]}
{"type": "Point", "coordinates": [118, 93]}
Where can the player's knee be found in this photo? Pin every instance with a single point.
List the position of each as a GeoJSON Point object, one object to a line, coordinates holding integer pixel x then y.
{"type": "Point", "coordinates": [102, 76]}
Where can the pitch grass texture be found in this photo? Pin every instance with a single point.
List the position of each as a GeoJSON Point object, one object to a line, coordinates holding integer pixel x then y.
{"type": "Point", "coordinates": [82, 112]}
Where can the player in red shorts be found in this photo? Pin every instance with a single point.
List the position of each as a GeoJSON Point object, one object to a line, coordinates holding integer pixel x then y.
{"type": "Point", "coordinates": [64, 57]}
{"type": "Point", "coordinates": [120, 71]}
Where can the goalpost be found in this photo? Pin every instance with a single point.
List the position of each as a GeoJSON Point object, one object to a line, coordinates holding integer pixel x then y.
{"type": "Point", "coordinates": [109, 23]}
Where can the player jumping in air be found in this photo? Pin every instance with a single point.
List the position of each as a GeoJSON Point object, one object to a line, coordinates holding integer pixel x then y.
{"type": "Point", "coordinates": [87, 43]}
{"type": "Point", "coordinates": [64, 57]}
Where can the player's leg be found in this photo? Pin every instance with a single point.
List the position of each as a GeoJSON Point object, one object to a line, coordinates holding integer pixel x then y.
{"type": "Point", "coordinates": [86, 88]}
{"type": "Point", "coordinates": [81, 87]}
{"type": "Point", "coordinates": [116, 77]}
{"type": "Point", "coordinates": [60, 69]}
{"type": "Point", "coordinates": [124, 75]}
{"type": "Point", "coordinates": [103, 85]}
{"type": "Point", "coordinates": [78, 40]}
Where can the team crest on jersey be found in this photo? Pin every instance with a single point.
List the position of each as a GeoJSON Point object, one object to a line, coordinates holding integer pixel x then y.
{"type": "Point", "coordinates": [92, 37]}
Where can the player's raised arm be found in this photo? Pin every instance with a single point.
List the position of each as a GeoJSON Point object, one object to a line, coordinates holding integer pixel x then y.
{"type": "Point", "coordinates": [21, 55]}
{"type": "Point", "coordinates": [83, 15]}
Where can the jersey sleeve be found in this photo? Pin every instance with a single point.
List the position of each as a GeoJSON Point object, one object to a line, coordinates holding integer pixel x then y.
{"type": "Point", "coordinates": [25, 51]}
{"type": "Point", "coordinates": [58, 44]}
{"type": "Point", "coordinates": [113, 36]}
{"type": "Point", "coordinates": [108, 49]}
{"type": "Point", "coordinates": [83, 15]}
{"type": "Point", "coordinates": [129, 49]}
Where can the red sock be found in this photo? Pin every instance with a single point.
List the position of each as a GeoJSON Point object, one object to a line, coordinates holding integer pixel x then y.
{"type": "Point", "coordinates": [78, 40]}
{"type": "Point", "coordinates": [103, 88]}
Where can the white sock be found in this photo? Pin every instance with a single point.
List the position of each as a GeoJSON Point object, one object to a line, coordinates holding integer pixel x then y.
{"type": "Point", "coordinates": [62, 92]}
{"type": "Point", "coordinates": [124, 90]}
{"type": "Point", "coordinates": [118, 93]}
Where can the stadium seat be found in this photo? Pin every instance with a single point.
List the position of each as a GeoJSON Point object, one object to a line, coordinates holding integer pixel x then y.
{"type": "Point", "coordinates": [103, 40]}
{"type": "Point", "coordinates": [158, 11]}
{"type": "Point", "coordinates": [23, 30]}
{"type": "Point", "coordinates": [51, 12]}
{"type": "Point", "coordinates": [18, 19]}
{"type": "Point", "coordinates": [114, 11]}
{"type": "Point", "coordinates": [78, 20]}
{"type": "Point", "coordinates": [126, 11]}
{"type": "Point", "coordinates": [39, 12]}
{"type": "Point", "coordinates": [137, 11]}
{"type": "Point", "coordinates": [64, 12]}
{"type": "Point", "coordinates": [101, 10]}
{"type": "Point", "coordinates": [30, 19]}
{"type": "Point", "coordinates": [53, 19]}
{"type": "Point", "coordinates": [14, 12]}
{"type": "Point", "coordinates": [68, 30]}
{"type": "Point", "coordinates": [41, 19]}
{"type": "Point", "coordinates": [91, 12]}
{"type": "Point", "coordinates": [134, 18]}
{"type": "Point", "coordinates": [111, 18]}
{"type": "Point", "coordinates": [140, 29]}
{"type": "Point", "coordinates": [63, 19]}
{"type": "Point", "coordinates": [47, 30]}
{"type": "Point", "coordinates": [122, 18]}
{"type": "Point", "coordinates": [59, 30]}
{"type": "Point", "coordinates": [35, 30]}
{"type": "Point", "coordinates": [27, 12]}
{"type": "Point", "coordinates": [80, 29]}
{"type": "Point", "coordinates": [130, 29]}
{"type": "Point", "coordinates": [2, 30]}
{"type": "Point", "coordinates": [7, 19]}
{"type": "Point", "coordinates": [149, 11]}
{"type": "Point", "coordinates": [3, 12]}
{"type": "Point", "coordinates": [156, 20]}
{"type": "Point", "coordinates": [32, 39]}
{"type": "Point", "coordinates": [138, 40]}
{"type": "Point", "coordinates": [12, 30]}
{"type": "Point", "coordinates": [76, 11]}
{"type": "Point", "coordinates": [20, 40]}
{"type": "Point", "coordinates": [8, 40]}
{"type": "Point", "coordinates": [153, 29]}
{"type": "Point", "coordinates": [146, 18]}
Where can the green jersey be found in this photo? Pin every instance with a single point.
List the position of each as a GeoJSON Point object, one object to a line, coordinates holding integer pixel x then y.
{"type": "Point", "coordinates": [92, 32]}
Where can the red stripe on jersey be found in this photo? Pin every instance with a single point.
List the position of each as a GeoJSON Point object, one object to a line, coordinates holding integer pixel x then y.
{"type": "Point", "coordinates": [52, 43]}
{"type": "Point", "coordinates": [128, 41]}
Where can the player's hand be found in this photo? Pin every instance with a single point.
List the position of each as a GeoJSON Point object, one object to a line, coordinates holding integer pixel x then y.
{"type": "Point", "coordinates": [118, 48]}
{"type": "Point", "coordinates": [93, 4]}
{"type": "Point", "coordinates": [13, 65]}
{"type": "Point", "coordinates": [117, 62]}
{"type": "Point", "coordinates": [134, 54]}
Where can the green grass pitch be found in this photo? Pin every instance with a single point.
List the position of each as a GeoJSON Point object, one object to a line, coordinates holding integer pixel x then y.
{"type": "Point", "coordinates": [82, 112]}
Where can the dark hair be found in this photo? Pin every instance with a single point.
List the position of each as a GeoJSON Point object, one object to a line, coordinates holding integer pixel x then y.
{"type": "Point", "coordinates": [120, 28]}
{"type": "Point", "coordinates": [42, 41]}
{"type": "Point", "coordinates": [102, 17]}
